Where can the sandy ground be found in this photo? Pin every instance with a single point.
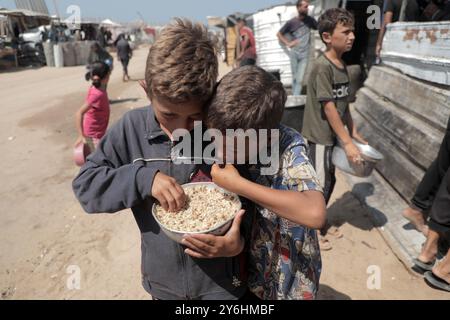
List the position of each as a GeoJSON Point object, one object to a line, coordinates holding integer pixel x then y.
{"type": "Point", "coordinates": [46, 239]}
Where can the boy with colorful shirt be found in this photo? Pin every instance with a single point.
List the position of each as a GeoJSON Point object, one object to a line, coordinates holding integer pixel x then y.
{"type": "Point", "coordinates": [283, 250]}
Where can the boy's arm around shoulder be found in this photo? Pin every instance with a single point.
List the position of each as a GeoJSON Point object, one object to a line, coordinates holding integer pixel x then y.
{"type": "Point", "coordinates": [110, 181]}
{"type": "Point", "coordinates": [302, 201]}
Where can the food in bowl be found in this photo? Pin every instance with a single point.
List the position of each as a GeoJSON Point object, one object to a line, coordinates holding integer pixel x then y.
{"type": "Point", "coordinates": [207, 207]}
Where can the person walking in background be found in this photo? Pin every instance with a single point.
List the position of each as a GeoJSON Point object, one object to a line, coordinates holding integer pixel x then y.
{"type": "Point", "coordinates": [247, 56]}
{"type": "Point", "coordinates": [101, 37]}
{"type": "Point", "coordinates": [99, 54]}
{"type": "Point", "coordinates": [93, 117]}
{"type": "Point", "coordinates": [296, 35]}
{"type": "Point", "coordinates": [124, 53]}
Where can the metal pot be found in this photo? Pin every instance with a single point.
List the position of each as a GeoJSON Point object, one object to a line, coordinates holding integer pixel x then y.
{"type": "Point", "coordinates": [370, 159]}
{"type": "Point", "coordinates": [220, 230]}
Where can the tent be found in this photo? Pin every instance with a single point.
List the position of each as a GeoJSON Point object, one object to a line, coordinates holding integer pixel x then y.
{"type": "Point", "coordinates": [109, 23]}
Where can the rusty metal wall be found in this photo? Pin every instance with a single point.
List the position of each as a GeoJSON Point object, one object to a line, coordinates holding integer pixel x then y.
{"type": "Point", "coordinates": [421, 50]}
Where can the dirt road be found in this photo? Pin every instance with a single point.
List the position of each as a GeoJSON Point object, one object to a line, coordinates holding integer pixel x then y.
{"type": "Point", "coordinates": [46, 240]}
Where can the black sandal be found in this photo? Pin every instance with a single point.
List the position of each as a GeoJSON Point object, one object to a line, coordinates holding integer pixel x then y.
{"type": "Point", "coordinates": [437, 282]}
{"type": "Point", "coordinates": [426, 266]}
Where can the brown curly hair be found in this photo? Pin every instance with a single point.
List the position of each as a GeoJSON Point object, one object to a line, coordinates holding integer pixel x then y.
{"type": "Point", "coordinates": [182, 64]}
{"type": "Point", "coordinates": [247, 98]}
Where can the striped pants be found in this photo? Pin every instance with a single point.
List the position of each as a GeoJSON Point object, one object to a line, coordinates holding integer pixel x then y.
{"type": "Point", "coordinates": [321, 159]}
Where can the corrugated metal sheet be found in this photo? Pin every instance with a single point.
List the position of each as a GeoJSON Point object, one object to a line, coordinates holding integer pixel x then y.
{"type": "Point", "coordinates": [421, 50]}
{"type": "Point", "coordinates": [271, 55]}
{"type": "Point", "coordinates": [33, 5]}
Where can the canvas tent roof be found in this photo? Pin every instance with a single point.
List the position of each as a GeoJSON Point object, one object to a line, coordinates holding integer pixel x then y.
{"type": "Point", "coordinates": [108, 22]}
{"type": "Point", "coordinates": [23, 12]}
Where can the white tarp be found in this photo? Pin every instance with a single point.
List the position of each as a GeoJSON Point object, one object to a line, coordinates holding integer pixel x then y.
{"type": "Point", "coordinates": [110, 23]}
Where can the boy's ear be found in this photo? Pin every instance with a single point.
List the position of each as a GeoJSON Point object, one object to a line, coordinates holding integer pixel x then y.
{"type": "Point", "coordinates": [143, 85]}
{"type": "Point", "coordinates": [326, 37]}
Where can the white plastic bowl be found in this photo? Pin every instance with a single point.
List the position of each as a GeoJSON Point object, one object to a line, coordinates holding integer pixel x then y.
{"type": "Point", "coordinates": [220, 230]}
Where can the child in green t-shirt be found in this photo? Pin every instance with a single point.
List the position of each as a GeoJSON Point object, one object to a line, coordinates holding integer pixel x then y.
{"type": "Point", "coordinates": [327, 110]}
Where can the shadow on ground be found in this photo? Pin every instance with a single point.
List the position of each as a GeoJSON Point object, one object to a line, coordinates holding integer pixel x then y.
{"type": "Point", "coordinates": [117, 101]}
{"type": "Point", "coordinates": [328, 293]}
{"type": "Point", "coordinates": [353, 208]}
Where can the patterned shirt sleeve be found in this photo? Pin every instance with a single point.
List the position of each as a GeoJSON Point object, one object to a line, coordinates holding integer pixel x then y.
{"type": "Point", "coordinates": [298, 172]}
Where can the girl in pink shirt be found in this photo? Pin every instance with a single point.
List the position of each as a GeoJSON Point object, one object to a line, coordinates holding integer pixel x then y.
{"type": "Point", "coordinates": [93, 117]}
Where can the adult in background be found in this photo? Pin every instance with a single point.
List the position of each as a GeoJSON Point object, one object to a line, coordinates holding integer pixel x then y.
{"type": "Point", "coordinates": [247, 57]}
{"type": "Point", "coordinates": [124, 53]}
{"type": "Point", "coordinates": [432, 200]}
{"type": "Point", "coordinates": [101, 37]}
{"type": "Point", "coordinates": [296, 35]}
{"type": "Point", "coordinates": [423, 199]}
{"type": "Point", "coordinates": [98, 53]}
{"type": "Point", "coordinates": [437, 10]}
{"type": "Point", "coordinates": [392, 12]}
{"type": "Point", "coordinates": [108, 36]}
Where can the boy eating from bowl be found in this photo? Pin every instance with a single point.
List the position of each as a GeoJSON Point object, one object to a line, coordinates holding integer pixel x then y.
{"type": "Point", "coordinates": [284, 255]}
{"type": "Point", "coordinates": [132, 168]}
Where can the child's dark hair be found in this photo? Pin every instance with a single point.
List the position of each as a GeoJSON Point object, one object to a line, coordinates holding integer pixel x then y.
{"type": "Point", "coordinates": [99, 71]}
{"type": "Point", "coordinates": [332, 17]}
{"type": "Point", "coordinates": [247, 98]}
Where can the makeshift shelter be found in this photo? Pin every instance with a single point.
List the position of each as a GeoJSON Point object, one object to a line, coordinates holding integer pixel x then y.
{"type": "Point", "coordinates": [109, 23]}
{"type": "Point", "coordinates": [229, 27]}
{"type": "Point", "coordinates": [17, 21]}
